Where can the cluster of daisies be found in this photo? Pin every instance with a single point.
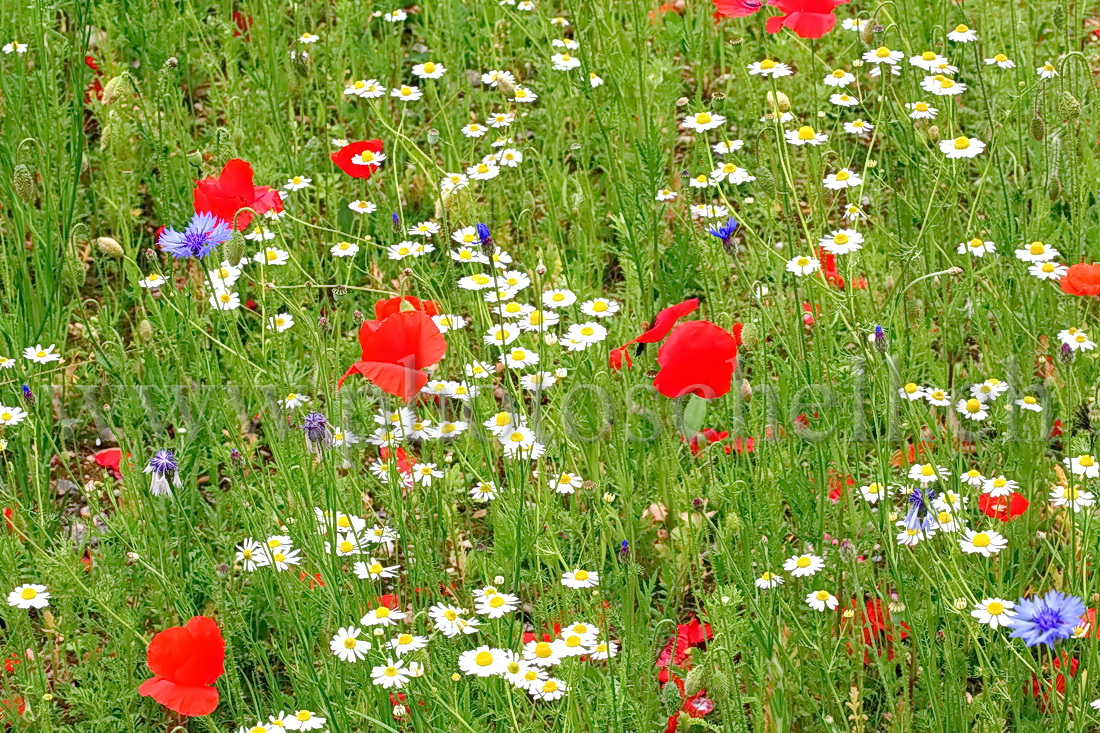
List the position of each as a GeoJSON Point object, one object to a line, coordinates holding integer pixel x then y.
{"type": "Point", "coordinates": [1040, 258]}
{"type": "Point", "coordinates": [529, 668]}
{"type": "Point", "coordinates": [298, 720]}
{"type": "Point", "coordinates": [844, 88]}
{"type": "Point", "coordinates": [402, 656]}
{"type": "Point", "coordinates": [975, 407]}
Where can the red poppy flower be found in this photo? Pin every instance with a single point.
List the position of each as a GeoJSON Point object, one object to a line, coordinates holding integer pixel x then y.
{"type": "Point", "coordinates": [807, 18]}
{"type": "Point", "coordinates": [1082, 279]}
{"type": "Point", "coordinates": [186, 661]}
{"type": "Point", "coordinates": [705, 437]}
{"type": "Point", "coordinates": [8, 519]}
{"type": "Point", "coordinates": [396, 350]}
{"type": "Point", "coordinates": [1043, 689]}
{"type": "Point", "coordinates": [343, 158]}
{"type": "Point", "coordinates": [662, 324]}
{"type": "Point", "coordinates": [837, 485]}
{"type": "Point", "coordinates": [232, 191]}
{"type": "Point", "coordinates": [737, 8]}
{"type": "Point", "coordinates": [386, 308]}
{"type": "Point", "coordinates": [1003, 508]}
{"type": "Point", "coordinates": [243, 23]}
{"type": "Point", "coordinates": [109, 458]}
{"type": "Point", "coordinates": [876, 631]}
{"type": "Point", "coordinates": [696, 706]}
{"type": "Point", "coordinates": [691, 634]}
{"type": "Point", "coordinates": [698, 358]}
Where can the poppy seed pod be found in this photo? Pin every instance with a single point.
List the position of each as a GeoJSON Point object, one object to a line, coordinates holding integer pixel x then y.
{"type": "Point", "coordinates": [110, 247]}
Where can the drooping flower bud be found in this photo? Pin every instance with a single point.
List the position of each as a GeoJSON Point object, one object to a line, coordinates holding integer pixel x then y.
{"type": "Point", "coordinates": [110, 247]}
{"type": "Point", "coordinates": [23, 182]}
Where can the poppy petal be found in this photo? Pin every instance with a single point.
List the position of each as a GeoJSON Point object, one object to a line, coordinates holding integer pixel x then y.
{"type": "Point", "coordinates": [184, 700]}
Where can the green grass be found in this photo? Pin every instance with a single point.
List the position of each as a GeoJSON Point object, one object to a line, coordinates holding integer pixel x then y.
{"type": "Point", "coordinates": [147, 371]}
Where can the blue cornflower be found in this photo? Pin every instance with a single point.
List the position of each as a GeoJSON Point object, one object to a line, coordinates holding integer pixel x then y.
{"type": "Point", "coordinates": [1047, 619]}
{"type": "Point", "coordinates": [318, 435]}
{"type": "Point", "coordinates": [725, 231]}
{"type": "Point", "coordinates": [160, 466]}
{"type": "Point", "coordinates": [920, 513]}
{"type": "Point", "coordinates": [204, 233]}
{"type": "Point", "coordinates": [878, 338]}
{"type": "Point", "coordinates": [484, 235]}
{"type": "Point", "coordinates": [28, 395]}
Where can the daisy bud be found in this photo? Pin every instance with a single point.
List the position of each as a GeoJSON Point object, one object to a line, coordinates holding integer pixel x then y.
{"type": "Point", "coordinates": [1070, 107]}
{"type": "Point", "coordinates": [779, 101]}
{"type": "Point", "coordinates": [671, 699]}
{"type": "Point", "coordinates": [110, 247]}
{"type": "Point", "coordinates": [400, 712]}
{"type": "Point", "coordinates": [848, 613]}
{"type": "Point", "coordinates": [608, 497]}
{"type": "Point", "coordinates": [682, 101]}
{"type": "Point", "coordinates": [1038, 126]}
{"type": "Point", "coordinates": [961, 604]}
{"type": "Point", "coordinates": [23, 182]}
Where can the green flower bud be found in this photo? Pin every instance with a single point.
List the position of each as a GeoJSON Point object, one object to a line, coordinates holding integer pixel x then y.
{"type": "Point", "coordinates": [23, 182]}
{"type": "Point", "coordinates": [671, 699]}
{"type": "Point", "coordinates": [1070, 107]}
{"type": "Point", "coordinates": [234, 250]}
{"type": "Point", "coordinates": [110, 247]}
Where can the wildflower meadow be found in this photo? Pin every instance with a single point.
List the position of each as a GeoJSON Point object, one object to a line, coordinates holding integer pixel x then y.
{"type": "Point", "coordinates": [549, 365]}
